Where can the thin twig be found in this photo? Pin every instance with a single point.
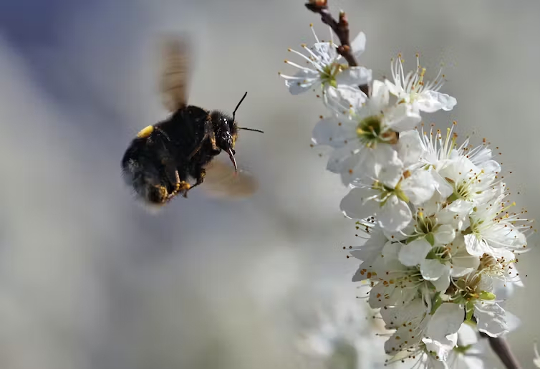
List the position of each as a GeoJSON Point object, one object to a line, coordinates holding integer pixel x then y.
{"type": "Point", "coordinates": [341, 29]}
{"type": "Point", "coordinates": [501, 348]}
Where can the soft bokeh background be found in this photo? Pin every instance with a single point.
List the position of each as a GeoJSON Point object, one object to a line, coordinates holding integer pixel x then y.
{"type": "Point", "coordinates": [88, 279]}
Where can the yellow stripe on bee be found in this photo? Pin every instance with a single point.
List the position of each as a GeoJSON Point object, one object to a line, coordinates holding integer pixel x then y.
{"type": "Point", "coordinates": [145, 132]}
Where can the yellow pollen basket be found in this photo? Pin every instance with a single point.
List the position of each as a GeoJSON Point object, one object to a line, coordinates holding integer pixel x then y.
{"type": "Point", "coordinates": [145, 132]}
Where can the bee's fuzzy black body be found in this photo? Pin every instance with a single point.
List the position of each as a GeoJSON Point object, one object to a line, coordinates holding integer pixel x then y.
{"type": "Point", "coordinates": [161, 160]}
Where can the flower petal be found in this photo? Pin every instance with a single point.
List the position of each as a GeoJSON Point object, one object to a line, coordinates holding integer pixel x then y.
{"type": "Point", "coordinates": [402, 118]}
{"type": "Point", "coordinates": [333, 132]}
{"type": "Point", "coordinates": [394, 89]}
{"type": "Point", "coordinates": [354, 76]}
{"type": "Point", "coordinates": [410, 147]}
{"type": "Point", "coordinates": [379, 96]}
{"type": "Point", "coordinates": [446, 321]}
{"type": "Point", "coordinates": [394, 215]}
{"type": "Point", "coordinates": [358, 45]}
{"type": "Point", "coordinates": [342, 99]}
{"type": "Point", "coordinates": [442, 186]}
{"type": "Point", "coordinates": [381, 163]}
{"type": "Point", "coordinates": [476, 246]}
{"type": "Point", "coordinates": [414, 252]}
{"type": "Point", "coordinates": [325, 51]}
{"type": "Point", "coordinates": [419, 187]}
{"type": "Point", "coordinates": [357, 204]}
{"type": "Point", "coordinates": [432, 269]}
{"type": "Point", "coordinates": [431, 101]}
{"type": "Point", "coordinates": [338, 159]}
{"type": "Point", "coordinates": [304, 80]}
{"type": "Point", "coordinates": [441, 284]}
{"type": "Point", "coordinates": [490, 318]}
{"type": "Point", "coordinates": [444, 234]}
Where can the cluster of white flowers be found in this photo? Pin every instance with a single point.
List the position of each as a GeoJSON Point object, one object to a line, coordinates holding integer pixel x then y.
{"type": "Point", "coordinates": [343, 337]}
{"type": "Point", "coordinates": [441, 234]}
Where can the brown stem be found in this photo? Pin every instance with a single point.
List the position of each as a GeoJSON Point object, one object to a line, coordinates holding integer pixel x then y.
{"type": "Point", "coordinates": [341, 29]}
{"type": "Point", "coordinates": [501, 348]}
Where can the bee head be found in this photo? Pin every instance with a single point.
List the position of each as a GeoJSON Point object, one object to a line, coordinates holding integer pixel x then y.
{"type": "Point", "coordinates": [225, 133]}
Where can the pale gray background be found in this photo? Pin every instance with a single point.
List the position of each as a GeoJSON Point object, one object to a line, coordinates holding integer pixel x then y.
{"type": "Point", "coordinates": [88, 279]}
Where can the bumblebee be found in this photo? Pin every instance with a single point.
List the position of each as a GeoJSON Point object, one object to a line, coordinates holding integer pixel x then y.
{"type": "Point", "coordinates": [161, 160]}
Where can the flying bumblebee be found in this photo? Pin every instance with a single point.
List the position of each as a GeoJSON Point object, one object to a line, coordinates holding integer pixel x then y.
{"type": "Point", "coordinates": [163, 157]}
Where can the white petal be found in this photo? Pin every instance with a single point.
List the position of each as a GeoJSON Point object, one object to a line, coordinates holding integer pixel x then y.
{"type": "Point", "coordinates": [402, 339]}
{"type": "Point", "coordinates": [512, 321]}
{"type": "Point", "coordinates": [326, 52]}
{"type": "Point", "coordinates": [442, 185]}
{"type": "Point", "coordinates": [441, 284]}
{"type": "Point", "coordinates": [379, 96]}
{"type": "Point", "coordinates": [393, 88]}
{"type": "Point", "coordinates": [432, 269]}
{"type": "Point", "coordinates": [490, 319]}
{"type": "Point", "coordinates": [372, 247]}
{"type": "Point", "coordinates": [381, 163]}
{"type": "Point", "coordinates": [462, 262]}
{"type": "Point", "coordinates": [476, 246]}
{"type": "Point", "coordinates": [414, 252]}
{"type": "Point", "coordinates": [307, 79]}
{"type": "Point", "coordinates": [401, 235]}
{"type": "Point", "coordinates": [410, 147]}
{"type": "Point", "coordinates": [354, 76]}
{"type": "Point", "coordinates": [419, 187]}
{"type": "Point", "coordinates": [338, 158]}
{"type": "Point", "coordinates": [431, 101]}
{"type": "Point", "coordinates": [358, 45]}
{"type": "Point", "coordinates": [439, 352]}
{"type": "Point", "coordinates": [343, 99]}
{"type": "Point", "coordinates": [348, 177]}
{"type": "Point", "coordinates": [394, 215]}
{"type": "Point", "coordinates": [444, 234]}
{"type": "Point", "coordinates": [402, 118]}
{"type": "Point", "coordinates": [357, 205]}
{"type": "Point", "coordinates": [446, 320]}
{"type": "Point", "coordinates": [334, 132]}
{"type": "Point", "coordinates": [395, 317]}
{"type": "Point", "coordinates": [490, 166]}
{"type": "Point", "coordinates": [467, 335]}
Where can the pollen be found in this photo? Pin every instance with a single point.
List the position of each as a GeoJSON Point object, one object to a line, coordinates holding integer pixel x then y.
{"type": "Point", "coordinates": [145, 132]}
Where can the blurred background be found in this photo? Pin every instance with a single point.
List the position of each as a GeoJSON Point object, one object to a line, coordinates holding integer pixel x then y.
{"type": "Point", "coordinates": [89, 279]}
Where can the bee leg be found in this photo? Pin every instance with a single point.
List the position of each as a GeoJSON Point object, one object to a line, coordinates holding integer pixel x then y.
{"type": "Point", "coordinates": [213, 141]}
{"type": "Point", "coordinates": [175, 184]}
{"type": "Point", "coordinates": [200, 179]}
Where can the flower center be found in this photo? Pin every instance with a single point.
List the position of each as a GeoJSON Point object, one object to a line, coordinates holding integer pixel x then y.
{"type": "Point", "coordinates": [369, 130]}
{"type": "Point", "coordinates": [387, 192]}
{"type": "Point", "coordinates": [329, 73]}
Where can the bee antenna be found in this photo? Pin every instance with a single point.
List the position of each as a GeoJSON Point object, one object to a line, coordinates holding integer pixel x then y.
{"type": "Point", "coordinates": [238, 105]}
{"type": "Point", "coordinates": [251, 129]}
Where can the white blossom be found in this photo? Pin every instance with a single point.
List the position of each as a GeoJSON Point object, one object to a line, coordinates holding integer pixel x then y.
{"type": "Point", "coordinates": [325, 69]}
{"type": "Point", "coordinates": [468, 352]}
{"type": "Point", "coordinates": [343, 337]}
{"type": "Point", "coordinates": [442, 238]}
{"type": "Point", "coordinates": [415, 93]}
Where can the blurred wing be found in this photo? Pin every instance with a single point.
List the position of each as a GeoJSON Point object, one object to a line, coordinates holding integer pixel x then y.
{"type": "Point", "coordinates": [221, 181]}
{"type": "Point", "coordinates": [174, 72]}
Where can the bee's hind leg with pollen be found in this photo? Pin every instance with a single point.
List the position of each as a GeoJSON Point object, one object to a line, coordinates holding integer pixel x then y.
{"type": "Point", "coordinates": [199, 175]}
{"type": "Point", "coordinates": [179, 186]}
